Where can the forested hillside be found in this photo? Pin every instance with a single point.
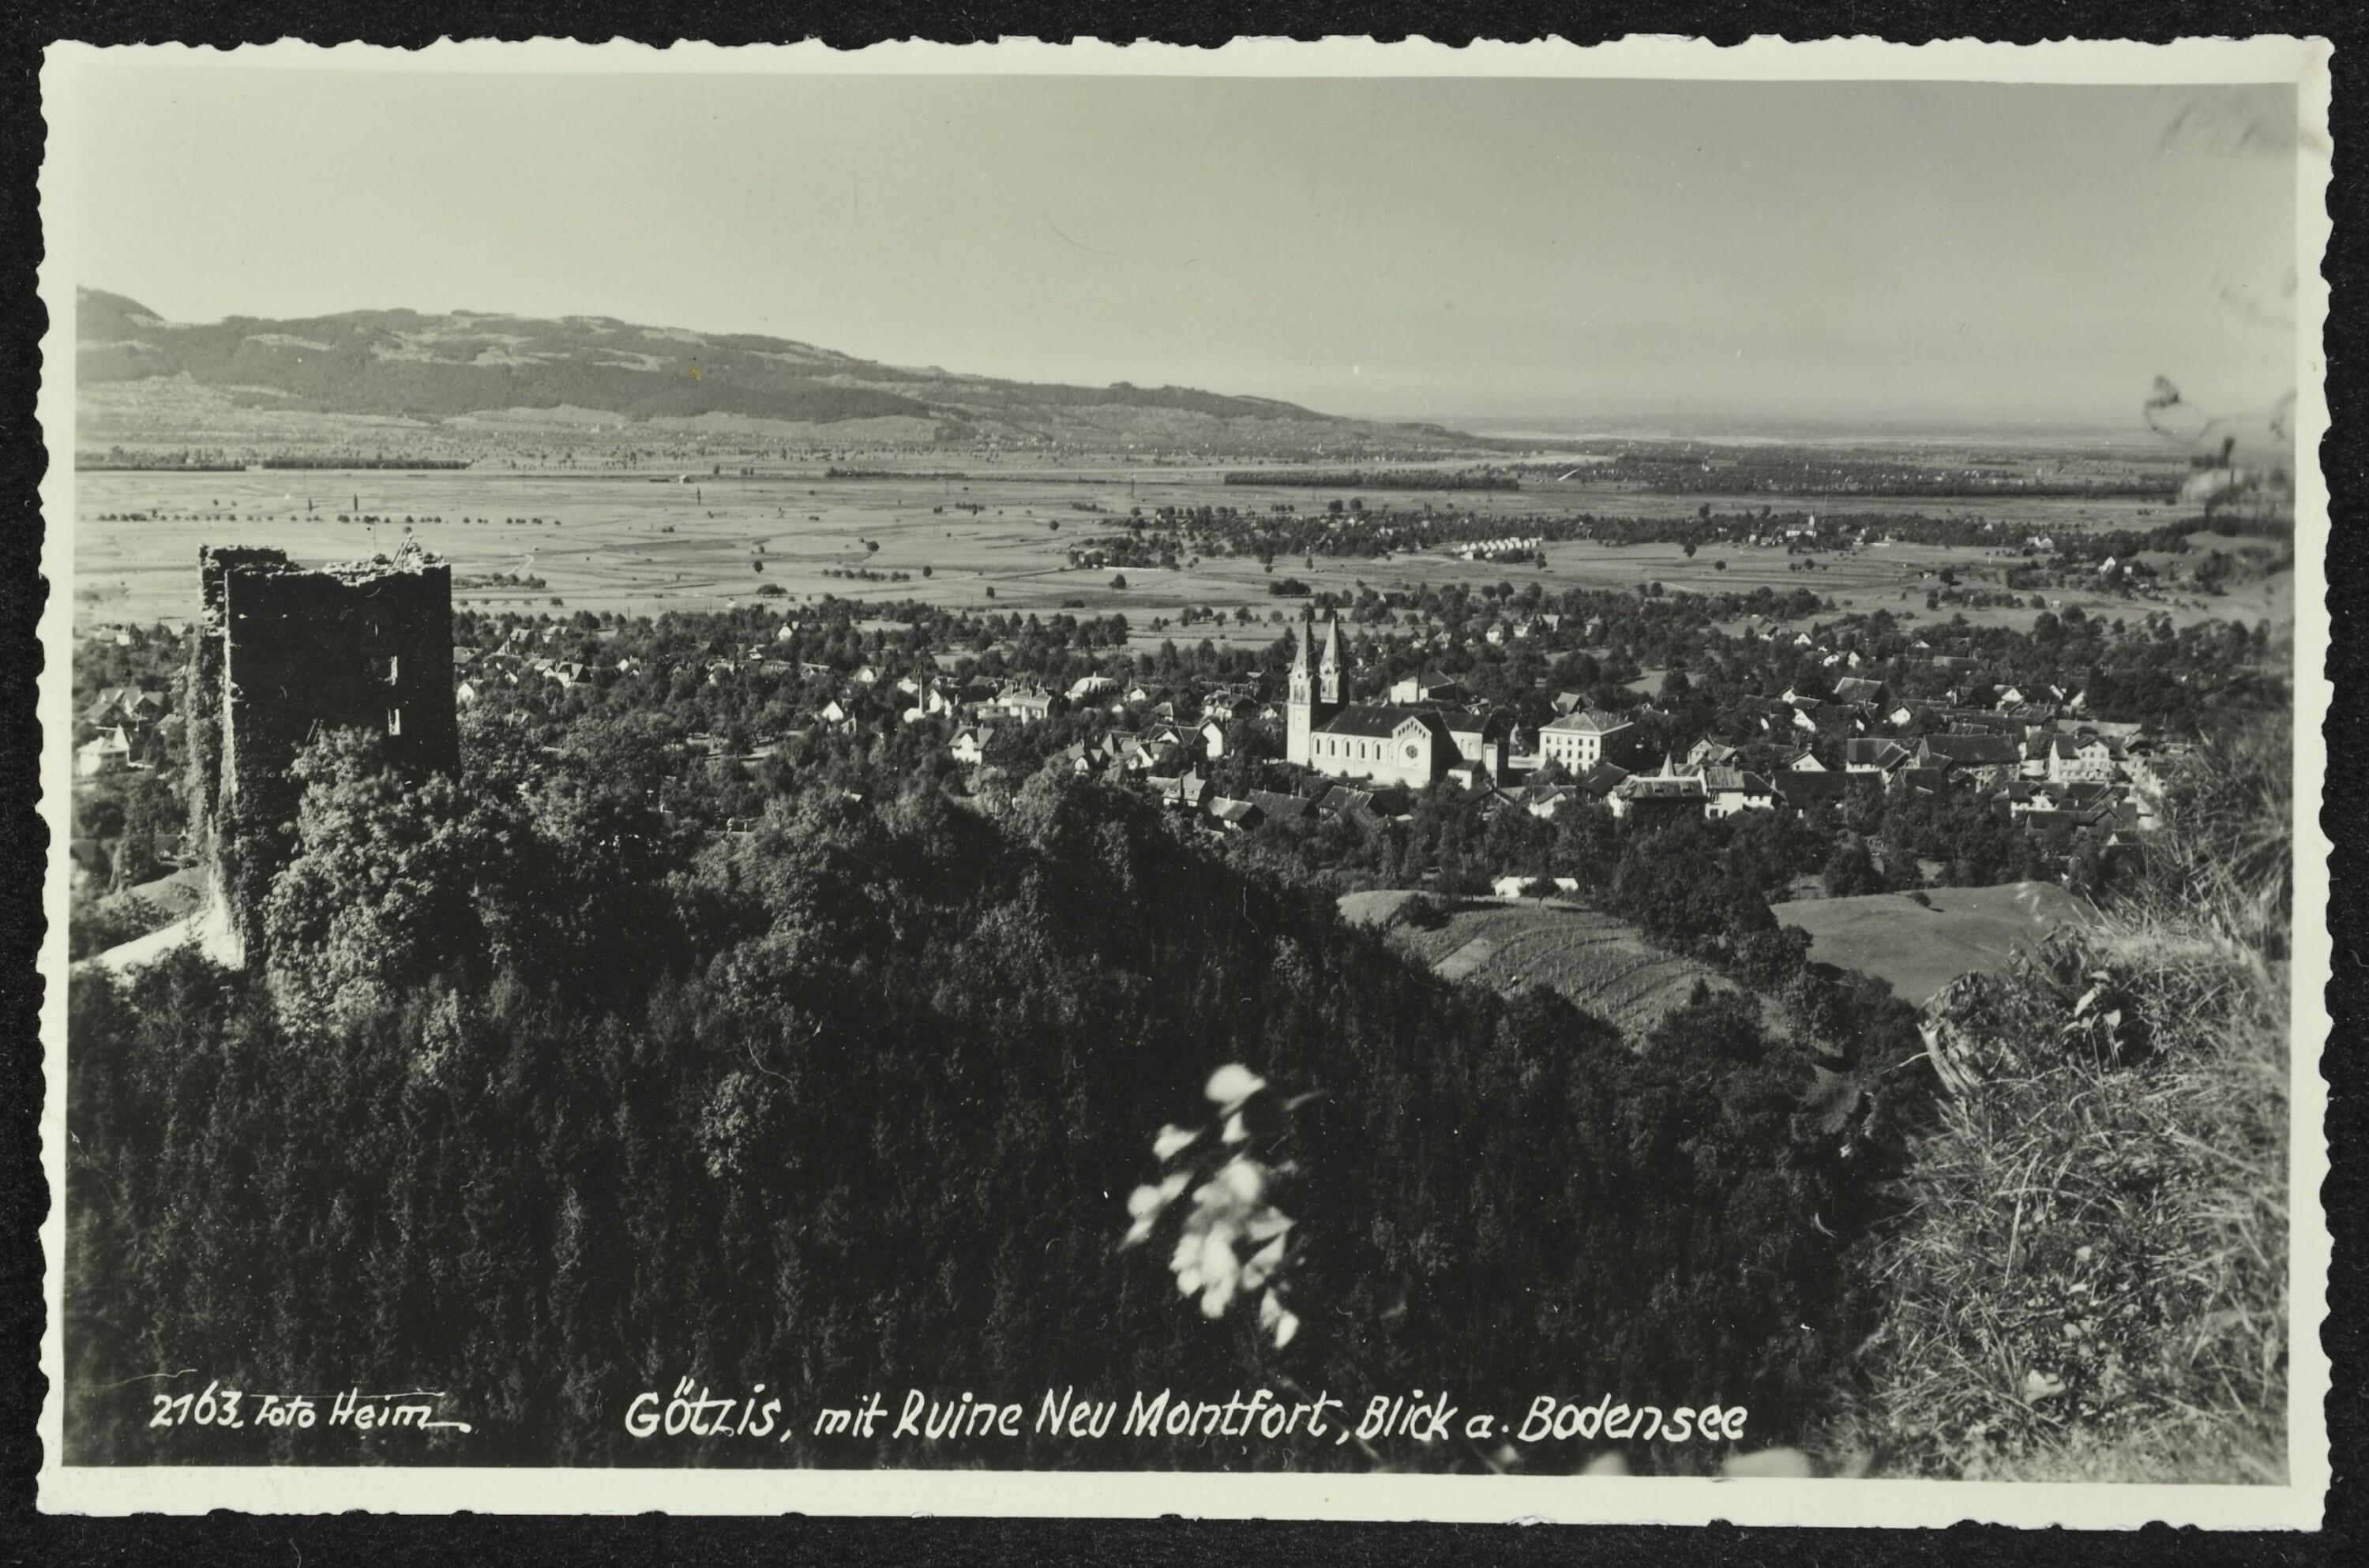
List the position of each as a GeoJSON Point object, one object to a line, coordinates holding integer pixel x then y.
{"type": "Point", "coordinates": [543, 1104]}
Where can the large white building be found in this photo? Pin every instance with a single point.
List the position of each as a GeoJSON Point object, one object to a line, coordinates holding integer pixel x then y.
{"type": "Point", "coordinates": [1357, 740]}
{"type": "Point", "coordinates": [1383, 745]}
{"type": "Point", "coordinates": [1580, 739]}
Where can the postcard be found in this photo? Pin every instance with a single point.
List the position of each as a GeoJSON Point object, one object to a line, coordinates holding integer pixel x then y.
{"type": "Point", "coordinates": [1316, 780]}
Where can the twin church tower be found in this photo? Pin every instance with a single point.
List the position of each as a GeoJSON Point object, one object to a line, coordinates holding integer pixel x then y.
{"type": "Point", "coordinates": [1311, 699]}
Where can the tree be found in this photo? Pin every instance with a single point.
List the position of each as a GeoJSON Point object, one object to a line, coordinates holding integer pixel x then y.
{"type": "Point", "coordinates": [380, 893]}
{"type": "Point", "coordinates": [1850, 870]}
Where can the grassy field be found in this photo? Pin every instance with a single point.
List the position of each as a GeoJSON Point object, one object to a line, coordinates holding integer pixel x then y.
{"type": "Point", "coordinates": [643, 544]}
{"type": "Point", "coordinates": [1918, 949]}
{"type": "Point", "coordinates": [1598, 962]}
{"type": "Point", "coordinates": [2088, 1280]}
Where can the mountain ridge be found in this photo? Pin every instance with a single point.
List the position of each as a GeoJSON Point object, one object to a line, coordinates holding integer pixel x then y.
{"type": "Point", "coordinates": [417, 365]}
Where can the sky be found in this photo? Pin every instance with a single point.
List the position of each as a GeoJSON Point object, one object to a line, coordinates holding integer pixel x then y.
{"type": "Point", "coordinates": [1946, 253]}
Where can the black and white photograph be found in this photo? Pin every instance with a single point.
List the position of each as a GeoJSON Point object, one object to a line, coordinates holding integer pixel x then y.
{"type": "Point", "coordinates": [1316, 780]}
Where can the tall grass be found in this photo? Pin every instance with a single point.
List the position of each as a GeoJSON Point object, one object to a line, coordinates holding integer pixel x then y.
{"type": "Point", "coordinates": [2088, 1279]}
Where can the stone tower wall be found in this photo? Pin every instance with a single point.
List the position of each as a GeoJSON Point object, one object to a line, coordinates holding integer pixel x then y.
{"type": "Point", "coordinates": [283, 652]}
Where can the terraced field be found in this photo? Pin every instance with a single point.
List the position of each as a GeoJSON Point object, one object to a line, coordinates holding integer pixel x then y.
{"type": "Point", "coordinates": [1601, 963]}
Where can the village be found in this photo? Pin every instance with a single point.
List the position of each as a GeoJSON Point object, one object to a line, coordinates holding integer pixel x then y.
{"type": "Point", "coordinates": [1354, 722]}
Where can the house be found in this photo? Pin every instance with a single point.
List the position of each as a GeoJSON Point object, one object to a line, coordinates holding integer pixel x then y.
{"type": "Point", "coordinates": [1861, 688]}
{"type": "Point", "coordinates": [1727, 791]}
{"type": "Point", "coordinates": [1181, 792]}
{"type": "Point", "coordinates": [1229, 705]}
{"type": "Point", "coordinates": [1343, 804]}
{"type": "Point", "coordinates": [1086, 686]}
{"type": "Point", "coordinates": [1828, 718]}
{"type": "Point", "coordinates": [1234, 816]}
{"type": "Point", "coordinates": [1802, 761]}
{"type": "Point", "coordinates": [1901, 715]}
{"type": "Point", "coordinates": [1546, 802]}
{"type": "Point", "coordinates": [1427, 686]}
{"type": "Point", "coordinates": [1806, 792]}
{"type": "Point", "coordinates": [108, 751]}
{"type": "Point", "coordinates": [1642, 794]}
{"type": "Point", "coordinates": [465, 693]}
{"type": "Point", "coordinates": [1917, 781]}
{"type": "Point", "coordinates": [1580, 739]}
{"type": "Point", "coordinates": [1085, 757]}
{"type": "Point", "coordinates": [1212, 736]}
{"type": "Point", "coordinates": [1135, 753]}
{"type": "Point", "coordinates": [835, 716]}
{"type": "Point", "coordinates": [2083, 757]}
{"type": "Point", "coordinates": [970, 743]}
{"type": "Point", "coordinates": [1709, 753]}
{"type": "Point", "coordinates": [1277, 808]}
{"type": "Point", "coordinates": [118, 704]}
{"type": "Point", "coordinates": [2037, 803]}
{"type": "Point", "coordinates": [1480, 735]}
{"type": "Point", "coordinates": [1517, 884]}
{"type": "Point", "coordinates": [1873, 754]}
{"type": "Point", "coordinates": [1599, 782]}
{"type": "Point", "coordinates": [1024, 705]}
{"type": "Point", "coordinates": [1986, 756]}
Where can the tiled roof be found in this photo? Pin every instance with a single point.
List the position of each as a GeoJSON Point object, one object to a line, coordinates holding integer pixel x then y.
{"type": "Point", "coordinates": [1586, 721]}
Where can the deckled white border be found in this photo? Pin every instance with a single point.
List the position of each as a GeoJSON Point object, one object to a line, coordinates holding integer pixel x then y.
{"type": "Point", "coordinates": [2297, 1504]}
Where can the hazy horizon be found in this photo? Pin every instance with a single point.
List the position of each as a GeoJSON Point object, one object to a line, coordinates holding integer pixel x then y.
{"type": "Point", "coordinates": [1915, 256]}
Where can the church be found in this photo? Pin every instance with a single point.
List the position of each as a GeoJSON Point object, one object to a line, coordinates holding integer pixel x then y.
{"type": "Point", "coordinates": [1357, 740]}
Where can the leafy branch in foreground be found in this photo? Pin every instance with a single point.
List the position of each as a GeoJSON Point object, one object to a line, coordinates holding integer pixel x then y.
{"type": "Point", "coordinates": [1233, 1181]}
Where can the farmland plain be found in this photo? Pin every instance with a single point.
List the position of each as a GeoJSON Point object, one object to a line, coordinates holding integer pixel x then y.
{"type": "Point", "coordinates": [995, 533]}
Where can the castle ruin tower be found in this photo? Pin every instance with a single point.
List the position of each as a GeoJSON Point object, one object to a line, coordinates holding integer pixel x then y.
{"type": "Point", "coordinates": [283, 652]}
